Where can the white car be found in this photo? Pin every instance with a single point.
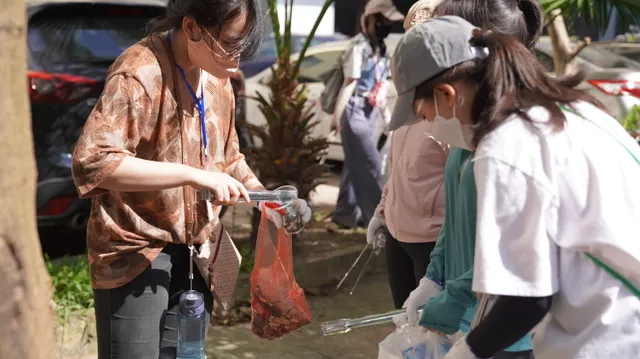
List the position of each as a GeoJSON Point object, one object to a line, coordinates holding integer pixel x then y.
{"type": "Point", "coordinates": [318, 61]}
{"type": "Point", "coordinates": [614, 80]}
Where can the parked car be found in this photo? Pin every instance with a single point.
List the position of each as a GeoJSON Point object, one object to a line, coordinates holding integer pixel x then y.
{"type": "Point", "coordinates": [319, 60]}
{"type": "Point", "coordinates": [71, 44]}
{"type": "Point", "coordinates": [269, 53]}
{"type": "Point", "coordinates": [611, 78]}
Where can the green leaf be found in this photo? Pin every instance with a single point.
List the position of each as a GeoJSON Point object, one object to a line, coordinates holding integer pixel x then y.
{"type": "Point", "coordinates": [595, 12]}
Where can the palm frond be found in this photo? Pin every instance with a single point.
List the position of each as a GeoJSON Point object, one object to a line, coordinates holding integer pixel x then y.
{"type": "Point", "coordinates": [595, 12]}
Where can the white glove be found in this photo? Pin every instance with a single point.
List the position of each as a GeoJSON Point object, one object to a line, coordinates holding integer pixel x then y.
{"type": "Point", "coordinates": [277, 216]}
{"type": "Point", "coordinates": [426, 290]}
{"type": "Point", "coordinates": [374, 225]}
{"type": "Point", "coordinates": [460, 350]}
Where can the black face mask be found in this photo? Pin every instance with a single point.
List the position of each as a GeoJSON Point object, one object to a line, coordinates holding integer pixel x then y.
{"type": "Point", "coordinates": [381, 30]}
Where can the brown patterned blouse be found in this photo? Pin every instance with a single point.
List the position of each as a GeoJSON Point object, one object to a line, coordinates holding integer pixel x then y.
{"type": "Point", "coordinates": [136, 116]}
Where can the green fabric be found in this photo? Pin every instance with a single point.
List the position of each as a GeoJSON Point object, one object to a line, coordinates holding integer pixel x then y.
{"type": "Point", "coordinates": [452, 258]}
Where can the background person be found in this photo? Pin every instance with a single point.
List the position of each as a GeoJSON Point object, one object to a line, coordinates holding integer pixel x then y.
{"type": "Point", "coordinates": [366, 68]}
{"type": "Point", "coordinates": [412, 206]}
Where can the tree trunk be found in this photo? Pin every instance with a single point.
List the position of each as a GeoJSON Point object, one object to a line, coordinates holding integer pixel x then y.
{"type": "Point", "coordinates": [559, 41]}
{"type": "Point", "coordinates": [563, 52]}
{"type": "Point", "coordinates": [26, 314]}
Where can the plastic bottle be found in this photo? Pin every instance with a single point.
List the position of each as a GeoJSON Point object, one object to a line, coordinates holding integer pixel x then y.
{"type": "Point", "coordinates": [191, 326]}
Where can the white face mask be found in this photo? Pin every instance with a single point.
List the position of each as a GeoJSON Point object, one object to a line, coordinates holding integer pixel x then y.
{"type": "Point", "coordinates": [451, 131]}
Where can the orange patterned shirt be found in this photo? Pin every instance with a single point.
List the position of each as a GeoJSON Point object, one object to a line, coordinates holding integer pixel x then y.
{"type": "Point", "coordinates": [136, 116]}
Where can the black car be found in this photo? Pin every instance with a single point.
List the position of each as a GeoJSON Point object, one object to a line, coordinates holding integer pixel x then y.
{"type": "Point", "coordinates": [71, 44]}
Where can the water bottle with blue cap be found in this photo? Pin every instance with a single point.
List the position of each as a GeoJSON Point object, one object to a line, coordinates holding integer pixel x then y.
{"type": "Point", "coordinates": [192, 325]}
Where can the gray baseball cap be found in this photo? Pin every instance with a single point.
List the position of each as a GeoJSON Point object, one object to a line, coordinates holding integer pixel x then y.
{"type": "Point", "coordinates": [424, 51]}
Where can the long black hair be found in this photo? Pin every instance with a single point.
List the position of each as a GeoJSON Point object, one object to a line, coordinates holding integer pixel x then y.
{"type": "Point", "coordinates": [523, 19]}
{"type": "Point", "coordinates": [214, 13]}
{"type": "Point", "coordinates": [509, 80]}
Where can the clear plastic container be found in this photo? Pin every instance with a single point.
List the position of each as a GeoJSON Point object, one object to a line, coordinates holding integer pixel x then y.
{"type": "Point", "coordinates": [192, 326]}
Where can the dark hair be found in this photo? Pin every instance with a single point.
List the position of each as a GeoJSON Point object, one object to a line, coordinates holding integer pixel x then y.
{"type": "Point", "coordinates": [509, 81]}
{"type": "Point", "coordinates": [523, 19]}
{"type": "Point", "coordinates": [376, 44]}
{"type": "Point", "coordinates": [214, 13]}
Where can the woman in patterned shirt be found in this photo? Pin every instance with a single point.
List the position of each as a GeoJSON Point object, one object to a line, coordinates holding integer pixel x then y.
{"type": "Point", "coordinates": [162, 131]}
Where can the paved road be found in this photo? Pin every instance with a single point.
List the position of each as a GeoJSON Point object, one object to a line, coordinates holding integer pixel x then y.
{"type": "Point", "coordinates": [371, 296]}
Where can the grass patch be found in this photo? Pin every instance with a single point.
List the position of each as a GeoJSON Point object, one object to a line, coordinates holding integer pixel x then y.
{"type": "Point", "coordinates": [71, 284]}
{"type": "Point", "coordinates": [247, 256]}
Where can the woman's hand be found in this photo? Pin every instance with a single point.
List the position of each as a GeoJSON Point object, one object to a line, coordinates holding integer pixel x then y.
{"type": "Point", "coordinates": [226, 189]}
{"type": "Point", "coordinates": [278, 216]}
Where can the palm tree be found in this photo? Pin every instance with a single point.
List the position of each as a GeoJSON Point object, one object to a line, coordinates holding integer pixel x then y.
{"type": "Point", "coordinates": [594, 12]}
{"type": "Point", "coordinates": [289, 154]}
{"type": "Point", "coordinates": [26, 312]}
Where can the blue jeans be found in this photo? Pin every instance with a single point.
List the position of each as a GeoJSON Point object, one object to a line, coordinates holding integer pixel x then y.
{"type": "Point", "coordinates": [360, 184]}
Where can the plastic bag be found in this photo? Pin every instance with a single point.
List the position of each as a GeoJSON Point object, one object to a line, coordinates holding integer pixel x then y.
{"type": "Point", "coordinates": [278, 304]}
{"type": "Point", "coordinates": [411, 342]}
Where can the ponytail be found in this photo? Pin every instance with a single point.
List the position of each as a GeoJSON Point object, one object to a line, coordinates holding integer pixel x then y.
{"type": "Point", "coordinates": [523, 19]}
{"type": "Point", "coordinates": [509, 81]}
{"type": "Point", "coordinates": [513, 81]}
{"type": "Point", "coordinates": [533, 17]}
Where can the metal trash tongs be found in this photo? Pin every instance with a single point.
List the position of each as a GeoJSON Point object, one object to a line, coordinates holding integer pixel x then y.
{"type": "Point", "coordinates": [380, 243]}
{"type": "Point", "coordinates": [273, 196]}
{"type": "Point", "coordinates": [345, 325]}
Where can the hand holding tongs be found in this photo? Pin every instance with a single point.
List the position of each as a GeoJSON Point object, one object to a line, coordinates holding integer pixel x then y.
{"type": "Point", "coordinates": [282, 195]}
{"type": "Point", "coordinates": [286, 199]}
{"type": "Point", "coordinates": [380, 239]}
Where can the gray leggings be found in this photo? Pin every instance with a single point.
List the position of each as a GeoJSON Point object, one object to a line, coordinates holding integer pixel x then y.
{"type": "Point", "coordinates": [138, 320]}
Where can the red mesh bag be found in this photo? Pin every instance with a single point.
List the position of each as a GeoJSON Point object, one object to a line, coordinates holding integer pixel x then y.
{"type": "Point", "coordinates": [278, 303]}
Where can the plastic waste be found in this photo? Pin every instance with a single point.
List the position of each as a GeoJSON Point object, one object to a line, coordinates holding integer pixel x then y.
{"type": "Point", "coordinates": [412, 342]}
{"type": "Point", "coordinates": [278, 304]}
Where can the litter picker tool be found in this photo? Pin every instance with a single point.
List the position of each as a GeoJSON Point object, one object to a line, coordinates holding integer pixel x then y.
{"type": "Point", "coordinates": [284, 199]}
{"type": "Point", "coordinates": [380, 239]}
{"type": "Point", "coordinates": [342, 326]}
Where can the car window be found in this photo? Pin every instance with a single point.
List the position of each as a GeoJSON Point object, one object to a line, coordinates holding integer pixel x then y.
{"type": "Point", "coordinates": [313, 67]}
{"type": "Point", "coordinates": [545, 60]}
{"type": "Point", "coordinates": [64, 39]}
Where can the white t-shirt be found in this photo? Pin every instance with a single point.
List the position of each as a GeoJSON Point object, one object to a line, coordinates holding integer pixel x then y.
{"type": "Point", "coordinates": [544, 198]}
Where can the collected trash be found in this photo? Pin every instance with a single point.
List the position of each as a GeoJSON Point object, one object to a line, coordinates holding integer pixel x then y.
{"type": "Point", "coordinates": [278, 304]}
{"type": "Point", "coordinates": [345, 325]}
{"type": "Point", "coordinates": [380, 238]}
{"type": "Point", "coordinates": [412, 342]}
{"type": "Point", "coordinates": [284, 199]}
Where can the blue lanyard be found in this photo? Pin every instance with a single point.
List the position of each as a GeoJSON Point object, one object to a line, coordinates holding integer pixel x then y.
{"type": "Point", "coordinates": [200, 103]}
